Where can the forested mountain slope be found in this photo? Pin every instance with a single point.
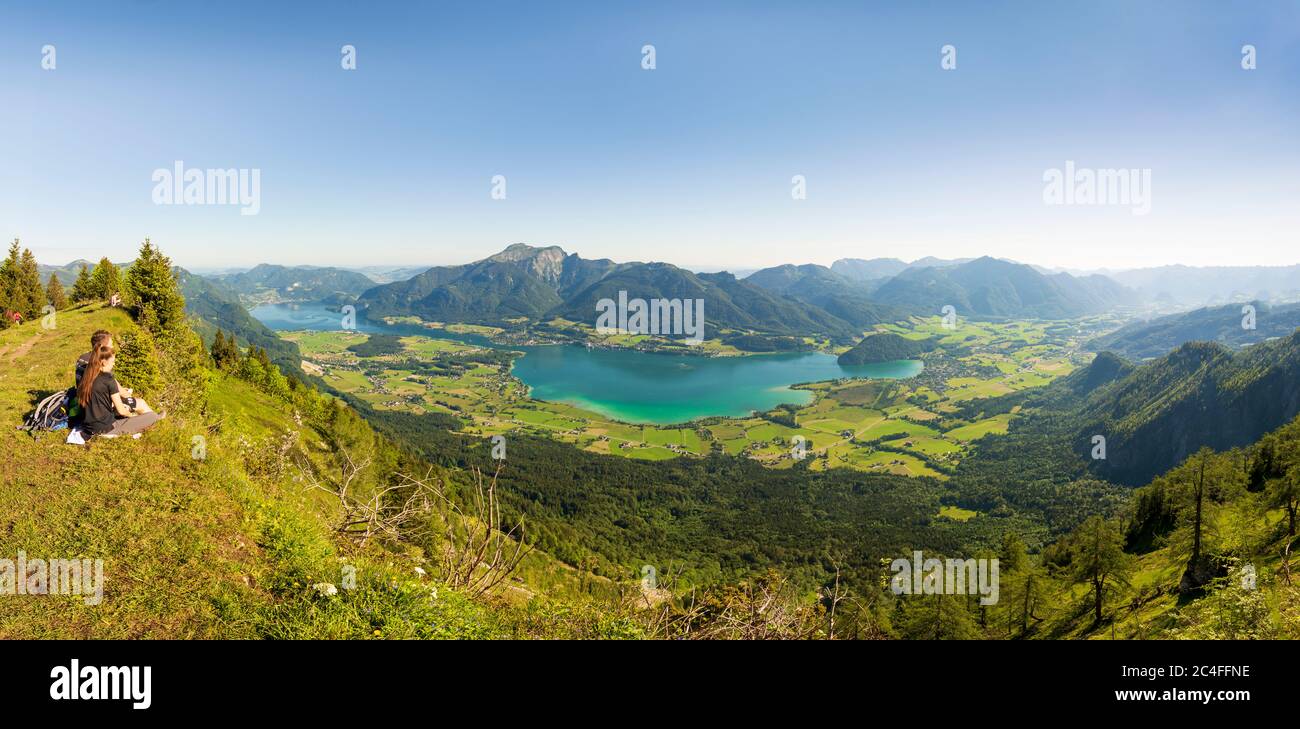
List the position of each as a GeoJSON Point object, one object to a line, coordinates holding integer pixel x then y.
{"type": "Point", "coordinates": [542, 283]}
{"type": "Point", "coordinates": [1233, 325]}
{"type": "Point", "coordinates": [988, 287]}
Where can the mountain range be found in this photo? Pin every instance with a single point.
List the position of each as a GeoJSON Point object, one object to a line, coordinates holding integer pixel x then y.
{"type": "Point", "coordinates": [268, 283]}
{"type": "Point", "coordinates": [212, 306]}
{"type": "Point", "coordinates": [1232, 325]}
{"type": "Point", "coordinates": [878, 269]}
{"type": "Point", "coordinates": [1194, 286]}
{"type": "Point", "coordinates": [542, 283]}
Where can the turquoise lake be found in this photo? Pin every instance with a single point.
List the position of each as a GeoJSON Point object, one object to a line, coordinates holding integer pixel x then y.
{"type": "Point", "coordinates": [636, 387]}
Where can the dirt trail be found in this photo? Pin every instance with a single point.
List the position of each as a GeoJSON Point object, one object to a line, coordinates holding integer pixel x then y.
{"type": "Point", "coordinates": [22, 349]}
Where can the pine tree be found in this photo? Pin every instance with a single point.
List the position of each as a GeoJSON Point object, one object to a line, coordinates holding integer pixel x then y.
{"type": "Point", "coordinates": [1024, 586]}
{"type": "Point", "coordinates": [937, 617]}
{"type": "Point", "coordinates": [9, 299]}
{"type": "Point", "coordinates": [225, 352]}
{"type": "Point", "coordinates": [20, 284]}
{"type": "Point", "coordinates": [54, 293]}
{"type": "Point", "coordinates": [137, 362]}
{"type": "Point", "coordinates": [218, 348]}
{"type": "Point", "coordinates": [82, 288]}
{"type": "Point", "coordinates": [105, 280]}
{"type": "Point", "coordinates": [1099, 560]}
{"type": "Point", "coordinates": [151, 287]}
{"type": "Point", "coordinates": [1285, 492]}
{"type": "Point", "coordinates": [1198, 489]}
{"type": "Point", "coordinates": [31, 291]}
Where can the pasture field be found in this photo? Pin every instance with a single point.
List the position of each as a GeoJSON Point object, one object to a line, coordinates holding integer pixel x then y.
{"type": "Point", "coordinates": [906, 427]}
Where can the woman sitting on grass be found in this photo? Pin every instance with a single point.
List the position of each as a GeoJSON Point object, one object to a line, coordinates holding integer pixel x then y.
{"type": "Point", "coordinates": [110, 409]}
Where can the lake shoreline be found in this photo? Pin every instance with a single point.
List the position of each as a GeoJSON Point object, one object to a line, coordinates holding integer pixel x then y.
{"type": "Point", "coordinates": [622, 384]}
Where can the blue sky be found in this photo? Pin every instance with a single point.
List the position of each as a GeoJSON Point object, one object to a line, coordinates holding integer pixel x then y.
{"type": "Point", "coordinates": [689, 163]}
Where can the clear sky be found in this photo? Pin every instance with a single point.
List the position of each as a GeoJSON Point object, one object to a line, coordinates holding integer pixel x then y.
{"type": "Point", "coordinates": [392, 163]}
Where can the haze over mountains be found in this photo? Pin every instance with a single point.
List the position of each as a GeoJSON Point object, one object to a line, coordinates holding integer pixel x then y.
{"type": "Point", "coordinates": [839, 301]}
{"type": "Point", "coordinates": [274, 284]}
{"type": "Point", "coordinates": [1230, 325]}
{"type": "Point", "coordinates": [541, 283]}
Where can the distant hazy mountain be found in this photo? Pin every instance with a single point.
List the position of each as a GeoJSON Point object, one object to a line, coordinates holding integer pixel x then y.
{"type": "Point", "coordinates": [541, 283]}
{"type": "Point", "coordinates": [212, 305]}
{"type": "Point", "coordinates": [388, 274]}
{"type": "Point", "coordinates": [67, 274]}
{"type": "Point", "coordinates": [842, 297]}
{"type": "Point", "coordinates": [858, 269]}
{"type": "Point", "coordinates": [1213, 284]}
{"type": "Point", "coordinates": [875, 269]}
{"type": "Point", "coordinates": [269, 283]}
{"type": "Point", "coordinates": [1223, 324]}
{"type": "Point", "coordinates": [993, 288]}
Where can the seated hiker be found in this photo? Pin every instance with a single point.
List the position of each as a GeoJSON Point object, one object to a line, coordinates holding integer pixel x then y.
{"type": "Point", "coordinates": [110, 410]}
{"type": "Point", "coordinates": [99, 339]}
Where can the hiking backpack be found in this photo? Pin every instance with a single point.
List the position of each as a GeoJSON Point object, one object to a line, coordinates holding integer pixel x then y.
{"type": "Point", "coordinates": [54, 412]}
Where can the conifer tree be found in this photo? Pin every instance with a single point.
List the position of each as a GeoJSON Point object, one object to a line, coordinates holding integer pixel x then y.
{"type": "Point", "coordinates": [82, 288]}
{"type": "Point", "coordinates": [151, 287]}
{"type": "Point", "coordinates": [225, 352]}
{"type": "Point", "coordinates": [54, 293]}
{"type": "Point", "coordinates": [20, 284]}
{"type": "Point", "coordinates": [105, 280]}
{"type": "Point", "coordinates": [1024, 586]}
{"type": "Point", "coordinates": [31, 291]}
{"type": "Point", "coordinates": [9, 298]}
{"type": "Point", "coordinates": [1099, 560]}
{"type": "Point", "coordinates": [1285, 492]}
{"type": "Point", "coordinates": [137, 362]}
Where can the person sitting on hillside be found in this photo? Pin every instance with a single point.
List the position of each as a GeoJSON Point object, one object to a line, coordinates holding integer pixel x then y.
{"type": "Point", "coordinates": [115, 300]}
{"type": "Point", "coordinates": [99, 339]}
{"type": "Point", "coordinates": [110, 410]}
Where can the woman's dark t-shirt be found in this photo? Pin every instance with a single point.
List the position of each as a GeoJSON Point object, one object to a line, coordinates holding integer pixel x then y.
{"type": "Point", "coordinates": [100, 413]}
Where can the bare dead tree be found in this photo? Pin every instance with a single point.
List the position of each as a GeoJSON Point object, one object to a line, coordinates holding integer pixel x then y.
{"type": "Point", "coordinates": [834, 595]}
{"type": "Point", "coordinates": [386, 512]}
{"type": "Point", "coordinates": [478, 555]}
{"type": "Point", "coordinates": [763, 608]}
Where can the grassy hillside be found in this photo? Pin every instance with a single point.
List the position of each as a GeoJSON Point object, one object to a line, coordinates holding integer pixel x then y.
{"type": "Point", "coordinates": [212, 526]}
{"type": "Point", "coordinates": [217, 537]}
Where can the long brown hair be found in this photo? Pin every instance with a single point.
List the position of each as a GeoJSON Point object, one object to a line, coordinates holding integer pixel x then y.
{"type": "Point", "coordinates": [97, 359]}
{"type": "Point", "coordinates": [98, 339]}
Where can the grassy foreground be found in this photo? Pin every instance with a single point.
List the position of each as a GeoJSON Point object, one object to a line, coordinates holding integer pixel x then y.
{"type": "Point", "coordinates": [203, 535]}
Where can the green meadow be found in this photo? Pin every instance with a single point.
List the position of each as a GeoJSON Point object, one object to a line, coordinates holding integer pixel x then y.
{"type": "Point", "coordinates": [904, 427]}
